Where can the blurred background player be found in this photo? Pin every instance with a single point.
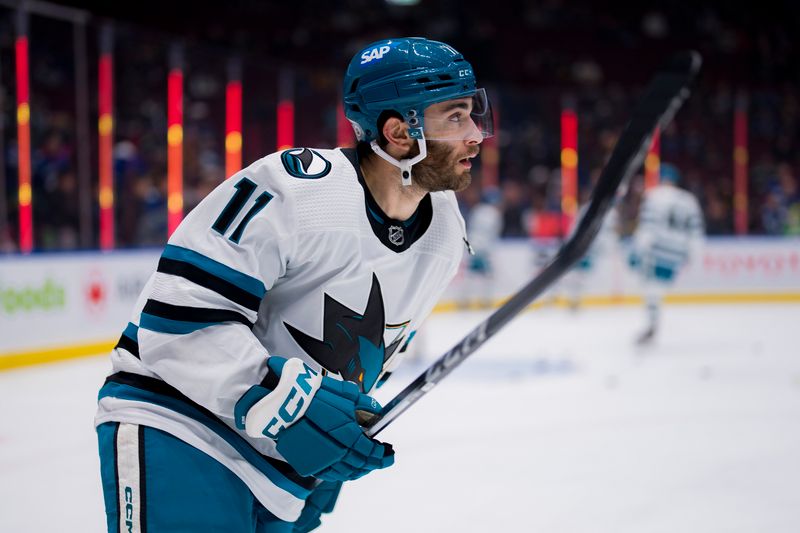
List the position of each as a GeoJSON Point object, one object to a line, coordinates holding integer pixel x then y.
{"type": "Point", "coordinates": [669, 233]}
{"type": "Point", "coordinates": [484, 227]}
{"type": "Point", "coordinates": [603, 247]}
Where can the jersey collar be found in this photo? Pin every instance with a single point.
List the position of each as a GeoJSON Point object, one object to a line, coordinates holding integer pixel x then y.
{"type": "Point", "coordinates": [396, 235]}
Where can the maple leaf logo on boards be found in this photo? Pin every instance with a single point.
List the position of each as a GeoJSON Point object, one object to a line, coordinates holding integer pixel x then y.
{"type": "Point", "coordinates": [95, 292]}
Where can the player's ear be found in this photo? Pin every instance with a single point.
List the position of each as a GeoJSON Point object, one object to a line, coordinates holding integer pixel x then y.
{"type": "Point", "coordinates": [395, 131]}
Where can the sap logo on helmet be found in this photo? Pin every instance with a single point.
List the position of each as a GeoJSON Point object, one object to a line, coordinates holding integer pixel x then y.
{"type": "Point", "coordinates": [374, 53]}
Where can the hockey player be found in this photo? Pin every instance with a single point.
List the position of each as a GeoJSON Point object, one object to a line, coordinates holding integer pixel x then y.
{"type": "Point", "coordinates": [669, 232]}
{"type": "Point", "coordinates": [282, 300]}
{"type": "Point", "coordinates": [603, 246]}
{"type": "Point", "coordinates": [484, 225]}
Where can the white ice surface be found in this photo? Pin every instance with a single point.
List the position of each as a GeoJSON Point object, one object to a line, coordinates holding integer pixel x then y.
{"type": "Point", "coordinates": [557, 425]}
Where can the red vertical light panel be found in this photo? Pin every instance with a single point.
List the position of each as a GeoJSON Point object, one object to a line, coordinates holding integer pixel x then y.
{"type": "Point", "coordinates": [740, 163]}
{"type": "Point", "coordinates": [105, 129]}
{"type": "Point", "coordinates": [24, 192]}
{"type": "Point", "coordinates": [344, 130]}
{"type": "Point", "coordinates": [652, 162]}
{"type": "Point", "coordinates": [174, 149]}
{"type": "Point", "coordinates": [285, 124]}
{"type": "Point", "coordinates": [569, 167]}
{"type": "Point", "coordinates": [233, 127]}
{"type": "Point", "coordinates": [285, 110]}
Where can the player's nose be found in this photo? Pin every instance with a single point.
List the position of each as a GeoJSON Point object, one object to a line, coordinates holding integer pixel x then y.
{"type": "Point", "coordinates": [474, 135]}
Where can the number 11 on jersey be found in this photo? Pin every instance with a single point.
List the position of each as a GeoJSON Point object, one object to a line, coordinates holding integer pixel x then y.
{"type": "Point", "coordinates": [244, 190]}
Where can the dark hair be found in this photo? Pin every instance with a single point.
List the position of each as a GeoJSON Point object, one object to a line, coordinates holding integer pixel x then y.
{"type": "Point", "coordinates": [364, 151]}
{"type": "Point", "coordinates": [363, 148]}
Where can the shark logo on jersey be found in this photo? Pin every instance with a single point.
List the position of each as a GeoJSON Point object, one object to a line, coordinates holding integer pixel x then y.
{"type": "Point", "coordinates": [352, 343]}
{"type": "Point", "coordinates": [396, 235]}
{"type": "Point", "coordinates": [305, 163]}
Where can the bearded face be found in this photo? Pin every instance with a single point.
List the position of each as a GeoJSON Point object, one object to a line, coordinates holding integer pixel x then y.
{"type": "Point", "coordinates": [446, 167]}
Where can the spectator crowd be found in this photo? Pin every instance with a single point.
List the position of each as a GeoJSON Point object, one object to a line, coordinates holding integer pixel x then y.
{"type": "Point", "coordinates": [534, 59]}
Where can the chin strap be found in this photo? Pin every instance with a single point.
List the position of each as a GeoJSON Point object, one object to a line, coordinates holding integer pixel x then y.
{"type": "Point", "coordinates": [403, 164]}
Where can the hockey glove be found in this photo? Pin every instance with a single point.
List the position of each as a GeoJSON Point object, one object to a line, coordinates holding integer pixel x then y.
{"type": "Point", "coordinates": [321, 500]}
{"type": "Point", "coordinates": [312, 418]}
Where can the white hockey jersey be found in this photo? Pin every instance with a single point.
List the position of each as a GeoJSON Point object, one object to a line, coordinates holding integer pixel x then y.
{"type": "Point", "coordinates": [604, 242]}
{"type": "Point", "coordinates": [484, 226]}
{"type": "Point", "coordinates": [670, 228]}
{"type": "Point", "coordinates": [291, 256]}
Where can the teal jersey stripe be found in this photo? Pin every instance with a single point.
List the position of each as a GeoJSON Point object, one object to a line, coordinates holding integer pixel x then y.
{"type": "Point", "coordinates": [132, 331]}
{"type": "Point", "coordinates": [128, 392]}
{"type": "Point", "coordinates": [375, 215]}
{"type": "Point", "coordinates": [166, 325]}
{"type": "Point", "coordinates": [248, 283]}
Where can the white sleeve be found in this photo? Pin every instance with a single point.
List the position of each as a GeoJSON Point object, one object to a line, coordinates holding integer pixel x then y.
{"type": "Point", "coordinates": [697, 230]}
{"type": "Point", "coordinates": [648, 222]}
{"type": "Point", "coordinates": [195, 330]}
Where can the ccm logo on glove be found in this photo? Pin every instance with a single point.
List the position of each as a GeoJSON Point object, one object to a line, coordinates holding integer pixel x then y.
{"type": "Point", "coordinates": [312, 419]}
{"type": "Point", "coordinates": [288, 402]}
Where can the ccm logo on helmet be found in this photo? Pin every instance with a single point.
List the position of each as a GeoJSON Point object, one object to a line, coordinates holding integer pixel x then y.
{"type": "Point", "coordinates": [374, 53]}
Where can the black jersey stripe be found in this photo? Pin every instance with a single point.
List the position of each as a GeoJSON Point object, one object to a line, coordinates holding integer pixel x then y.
{"type": "Point", "coordinates": [167, 318]}
{"type": "Point", "coordinates": [129, 340]}
{"type": "Point", "coordinates": [205, 279]}
{"type": "Point", "coordinates": [126, 343]}
{"type": "Point", "coordinates": [116, 468]}
{"type": "Point", "coordinates": [142, 483]}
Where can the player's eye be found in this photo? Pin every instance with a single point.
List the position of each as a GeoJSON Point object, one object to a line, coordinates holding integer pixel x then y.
{"type": "Point", "coordinates": [457, 117]}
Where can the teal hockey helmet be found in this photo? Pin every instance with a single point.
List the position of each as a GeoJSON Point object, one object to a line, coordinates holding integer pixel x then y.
{"type": "Point", "coordinates": [669, 173]}
{"type": "Point", "coordinates": [407, 75]}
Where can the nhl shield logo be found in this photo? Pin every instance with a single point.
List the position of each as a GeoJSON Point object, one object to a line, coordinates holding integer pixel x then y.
{"type": "Point", "coordinates": [396, 235]}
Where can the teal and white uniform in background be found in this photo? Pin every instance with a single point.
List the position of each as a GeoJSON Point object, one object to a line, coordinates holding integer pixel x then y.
{"type": "Point", "coordinates": [669, 233]}
{"type": "Point", "coordinates": [604, 244]}
{"type": "Point", "coordinates": [291, 257]}
{"type": "Point", "coordinates": [670, 230]}
{"type": "Point", "coordinates": [484, 226]}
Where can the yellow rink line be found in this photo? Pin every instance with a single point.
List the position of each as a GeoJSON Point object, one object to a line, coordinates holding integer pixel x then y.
{"type": "Point", "coordinates": [13, 360]}
{"type": "Point", "coordinates": [607, 301]}
{"type": "Point", "coordinates": [51, 355]}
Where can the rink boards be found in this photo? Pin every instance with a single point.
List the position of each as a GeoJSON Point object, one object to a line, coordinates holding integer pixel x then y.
{"type": "Point", "coordinates": [59, 306]}
{"type": "Point", "coordinates": [728, 270]}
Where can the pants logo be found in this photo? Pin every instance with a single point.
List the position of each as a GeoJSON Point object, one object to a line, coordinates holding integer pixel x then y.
{"type": "Point", "coordinates": [129, 509]}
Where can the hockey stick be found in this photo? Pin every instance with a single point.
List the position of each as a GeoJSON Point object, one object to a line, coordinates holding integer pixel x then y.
{"type": "Point", "coordinates": [665, 94]}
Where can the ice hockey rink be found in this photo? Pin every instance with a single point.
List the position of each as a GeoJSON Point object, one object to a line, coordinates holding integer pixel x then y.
{"type": "Point", "coordinates": [559, 424]}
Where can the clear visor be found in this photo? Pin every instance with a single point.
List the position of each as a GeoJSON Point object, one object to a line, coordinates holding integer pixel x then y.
{"type": "Point", "coordinates": [468, 118]}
